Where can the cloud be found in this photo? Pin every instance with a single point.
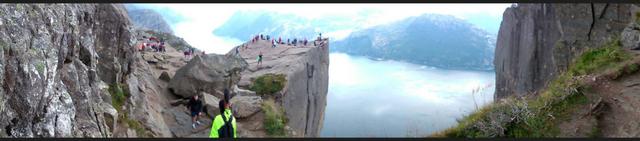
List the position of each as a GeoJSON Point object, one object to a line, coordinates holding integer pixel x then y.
{"type": "Point", "coordinates": [201, 19]}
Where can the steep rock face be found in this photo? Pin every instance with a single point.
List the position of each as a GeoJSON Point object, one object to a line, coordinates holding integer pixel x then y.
{"type": "Point", "coordinates": [149, 19]}
{"type": "Point", "coordinates": [536, 42]}
{"type": "Point", "coordinates": [307, 73]}
{"type": "Point", "coordinates": [305, 95]}
{"type": "Point", "coordinates": [54, 59]}
{"type": "Point", "coordinates": [145, 103]}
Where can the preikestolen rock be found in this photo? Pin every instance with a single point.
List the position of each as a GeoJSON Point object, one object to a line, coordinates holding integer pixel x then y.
{"type": "Point", "coordinates": [207, 73]}
{"type": "Point", "coordinates": [245, 106]}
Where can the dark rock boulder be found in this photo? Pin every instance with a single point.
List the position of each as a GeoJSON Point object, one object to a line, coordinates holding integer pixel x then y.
{"type": "Point", "coordinates": [245, 106]}
{"type": "Point", "coordinates": [165, 76]}
{"type": "Point", "coordinates": [209, 73]}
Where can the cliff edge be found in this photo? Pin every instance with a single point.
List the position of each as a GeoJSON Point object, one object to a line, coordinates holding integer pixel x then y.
{"type": "Point", "coordinates": [307, 73]}
{"type": "Point", "coordinates": [536, 42]}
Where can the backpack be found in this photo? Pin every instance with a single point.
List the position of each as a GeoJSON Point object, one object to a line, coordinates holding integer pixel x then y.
{"type": "Point", "coordinates": [226, 131]}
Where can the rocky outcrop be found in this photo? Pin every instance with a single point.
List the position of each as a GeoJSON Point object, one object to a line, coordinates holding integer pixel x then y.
{"type": "Point", "coordinates": [148, 19]}
{"type": "Point", "coordinates": [145, 101]}
{"type": "Point", "coordinates": [536, 42]}
{"type": "Point", "coordinates": [631, 36]}
{"type": "Point", "coordinates": [58, 63]}
{"type": "Point", "coordinates": [304, 95]}
{"type": "Point", "coordinates": [210, 104]}
{"type": "Point", "coordinates": [209, 73]}
{"type": "Point", "coordinates": [54, 62]}
{"type": "Point", "coordinates": [245, 106]}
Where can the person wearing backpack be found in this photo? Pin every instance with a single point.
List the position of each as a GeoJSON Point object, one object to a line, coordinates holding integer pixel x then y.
{"type": "Point", "coordinates": [224, 125]}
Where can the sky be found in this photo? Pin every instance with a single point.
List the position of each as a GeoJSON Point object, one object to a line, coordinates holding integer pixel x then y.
{"type": "Point", "coordinates": [199, 20]}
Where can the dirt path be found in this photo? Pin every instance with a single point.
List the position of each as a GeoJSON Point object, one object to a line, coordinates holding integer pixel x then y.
{"type": "Point", "coordinates": [617, 115]}
{"type": "Point", "coordinates": [622, 119]}
{"type": "Point", "coordinates": [175, 117]}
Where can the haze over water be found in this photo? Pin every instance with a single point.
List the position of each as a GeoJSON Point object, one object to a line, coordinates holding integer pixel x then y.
{"type": "Point", "coordinates": [369, 98]}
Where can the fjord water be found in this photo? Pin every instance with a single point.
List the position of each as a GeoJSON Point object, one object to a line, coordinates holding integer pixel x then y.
{"type": "Point", "coordinates": [371, 98]}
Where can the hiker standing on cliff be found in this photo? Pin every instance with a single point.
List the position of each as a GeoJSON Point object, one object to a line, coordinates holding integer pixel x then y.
{"type": "Point", "coordinates": [195, 106]}
{"type": "Point", "coordinates": [224, 125]}
{"type": "Point", "coordinates": [162, 49]}
{"type": "Point", "coordinates": [260, 59]}
{"type": "Point", "coordinates": [273, 43]}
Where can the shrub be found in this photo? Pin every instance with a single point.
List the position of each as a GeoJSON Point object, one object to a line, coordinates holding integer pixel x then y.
{"type": "Point", "coordinates": [274, 120]}
{"type": "Point", "coordinates": [40, 67]}
{"type": "Point", "coordinates": [135, 125]}
{"type": "Point", "coordinates": [118, 96]}
{"type": "Point", "coordinates": [268, 84]}
{"type": "Point", "coordinates": [596, 59]}
{"type": "Point", "coordinates": [538, 116]}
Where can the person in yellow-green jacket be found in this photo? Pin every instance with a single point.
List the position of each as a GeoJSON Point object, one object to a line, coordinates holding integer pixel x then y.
{"type": "Point", "coordinates": [224, 125]}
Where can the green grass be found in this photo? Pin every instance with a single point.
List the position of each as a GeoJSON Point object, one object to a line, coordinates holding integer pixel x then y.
{"type": "Point", "coordinates": [135, 125]}
{"type": "Point", "coordinates": [539, 116]}
{"type": "Point", "coordinates": [530, 116]}
{"type": "Point", "coordinates": [118, 95]}
{"type": "Point", "coordinates": [595, 132]}
{"type": "Point", "coordinates": [268, 84]}
{"type": "Point", "coordinates": [596, 59]}
{"type": "Point", "coordinates": [274, 120]}
{"type": "Point", "coordinates": [3, 45]}
{"type": "Point", "coordinates": [40, 66]}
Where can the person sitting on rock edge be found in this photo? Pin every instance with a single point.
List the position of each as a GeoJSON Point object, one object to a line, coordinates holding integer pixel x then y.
{"type": "Point", "coordinates": [195, 106]}
{"type": "Point", "coordinates": [224, 124]}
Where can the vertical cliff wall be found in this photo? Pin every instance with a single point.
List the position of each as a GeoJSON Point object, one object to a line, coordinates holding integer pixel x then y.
{"type": "Point", "coordinates": [305, 96]}
{"type": "Point", "coordinates": [536, 42]}
{"type": "Point", "coordinates": [54, 60]}
{"type": "Point", "coordinates": [57, 63]}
